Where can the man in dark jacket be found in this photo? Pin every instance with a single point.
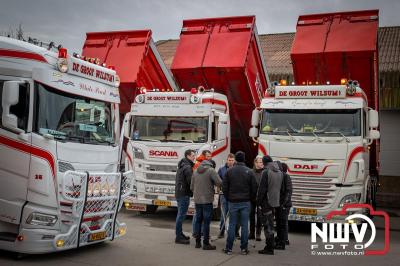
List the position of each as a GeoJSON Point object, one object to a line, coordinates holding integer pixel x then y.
{"type": "Point", "coordinates": [268, 200]}
{"type": "Point", "coordinates": [183, 193]}
{"type": "Point", "coordinates": [240, 188]}
{"type": "Point", "coordinates": [286, 204]}
{"type": "Point", "coordinates": [204, 180]}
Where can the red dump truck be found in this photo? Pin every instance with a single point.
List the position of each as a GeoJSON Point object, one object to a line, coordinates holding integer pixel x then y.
{"type": "Point", "coordinates": [326, 126]}
{"type": "Point", "coordinates": [224, 55]}
{"type": "Point", "coordinates": [135, 57]}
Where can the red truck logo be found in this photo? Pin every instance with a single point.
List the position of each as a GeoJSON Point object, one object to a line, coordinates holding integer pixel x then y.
{"type": "Point", "coordinates": [306, 166]}
{"type": "Point", "coordinates": [166, 154]}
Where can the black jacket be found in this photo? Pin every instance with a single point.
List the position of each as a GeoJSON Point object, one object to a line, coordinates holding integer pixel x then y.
{"type": "Point", "coordinates": [239, 184]}
{"type": "Point", "coordinates": [286, 191]}
{"type": "Point", "coordinates": [183, 178]}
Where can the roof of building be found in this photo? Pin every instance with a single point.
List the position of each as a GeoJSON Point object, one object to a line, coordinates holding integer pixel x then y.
{"type": "Point", "coordinates": [276, 50]}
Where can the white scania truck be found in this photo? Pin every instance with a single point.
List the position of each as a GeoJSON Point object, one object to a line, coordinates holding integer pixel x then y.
{"type": "Point", "coordinates": [59, 150]}
{"type": "Point", "coordinates": [160, 127]}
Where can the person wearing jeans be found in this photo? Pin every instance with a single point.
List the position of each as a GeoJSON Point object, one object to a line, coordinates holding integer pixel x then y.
{"type": "Point", "coordinates": [240, 188]}
{"type": "Point", "coordinates": [230, 161]}
{"type": "Point", "coordinates": [183, 194]}
{"type": "Point", "coordinates": [236, 210]}
{"type": "Point", "coordinates": [204, 180]}
{"type": "Point", "coordinates": [183, 206]}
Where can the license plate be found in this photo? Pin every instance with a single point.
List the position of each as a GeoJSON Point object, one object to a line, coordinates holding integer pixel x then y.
{"type": "Point", "coordinates": [136, 207]}
{"type": "Point", "coordinates": [306, 211]}
{"type": "Point", "coordinates": [97, 236]}
{"type": "Point", "coordinates": [162, 202]}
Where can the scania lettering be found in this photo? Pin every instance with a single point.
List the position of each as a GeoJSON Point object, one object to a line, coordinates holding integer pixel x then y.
{"type": "Point", "coordinates": [59, 149]}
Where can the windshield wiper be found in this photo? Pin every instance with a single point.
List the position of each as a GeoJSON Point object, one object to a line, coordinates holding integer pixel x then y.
{"type": "Point", "coordinates": [81, 139]}
{"type": "Point", "coordinates": [181, 140]}
{"type": "Point", "coordinates": [153, 140]}
{"type": "Point", "coordinates": [339, 133]}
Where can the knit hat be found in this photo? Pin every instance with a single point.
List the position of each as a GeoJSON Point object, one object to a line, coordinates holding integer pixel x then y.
{"type": "Point", "coordinates": [240, 157]}
{"type": "Point", "coordinates": [267, 159]}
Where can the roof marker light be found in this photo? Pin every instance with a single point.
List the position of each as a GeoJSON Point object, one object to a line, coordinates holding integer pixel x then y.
{"type": "Point", "coordinates": [343, 81]}
{"type": "Point", "coordinates": [283, 82]}
{"type": "Point", "coordinates": [62, 53]}
{"type": "Point", "coordinates": [193, 91]}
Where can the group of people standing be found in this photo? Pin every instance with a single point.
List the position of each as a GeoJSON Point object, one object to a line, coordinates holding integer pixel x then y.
{"type": "Point", "coordinates": [259, 195]}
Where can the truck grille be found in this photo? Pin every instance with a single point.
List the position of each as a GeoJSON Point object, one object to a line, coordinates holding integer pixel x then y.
{"type": "Point", "coordinates": [158, 176]}
{"type": "Point", "coordinates": [162, 168]}
{"type": "Point", "coordinates": [313, 192]}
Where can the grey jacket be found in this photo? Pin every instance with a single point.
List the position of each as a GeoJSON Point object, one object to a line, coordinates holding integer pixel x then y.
{"type": "Point", "coordinates": [268, 195]}
{"type": "Point", "coordinates": [203, 181]}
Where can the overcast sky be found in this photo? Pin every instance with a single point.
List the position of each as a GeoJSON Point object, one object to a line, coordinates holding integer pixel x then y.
{"type": "Point", "coordinates": [66, 22]}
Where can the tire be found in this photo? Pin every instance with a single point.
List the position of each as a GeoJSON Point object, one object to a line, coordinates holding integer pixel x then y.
{"type": "Point", "coordinates": [371, 193]}
{"type": "Point", "coordinates": [216, 216]}
{"type": "Point", "coordinates": [150, 209]}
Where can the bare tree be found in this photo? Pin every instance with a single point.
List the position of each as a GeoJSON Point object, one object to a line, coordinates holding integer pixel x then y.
{"type": "Point", "coordinates": [16, 33]}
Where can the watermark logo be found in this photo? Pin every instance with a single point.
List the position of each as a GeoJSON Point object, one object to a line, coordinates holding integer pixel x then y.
{"type": "Point", "coordinates": [334, 238]}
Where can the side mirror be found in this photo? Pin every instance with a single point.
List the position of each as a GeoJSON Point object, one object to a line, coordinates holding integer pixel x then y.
{"type": "Point", "coordinates": [373, 119]}
{"type": "Point", "coordinates": [374, 134]}
{"type": "Point", "coordinates": [255, 118]}
{"type": "Point", "coordinates": [10, 97]}
{"type": "Point", "coordinates": [127, 125]}
{"type": "Point", "coordinates": [253, 132]}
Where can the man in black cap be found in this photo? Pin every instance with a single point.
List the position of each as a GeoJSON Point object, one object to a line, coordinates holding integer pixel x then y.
{"type": "Point", "coordinates": [240, 188]}
{"type": "Point", "coordinates": [268, 202]}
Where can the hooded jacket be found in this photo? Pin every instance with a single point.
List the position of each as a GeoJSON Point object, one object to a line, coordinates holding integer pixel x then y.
{"type": "Point", "coordinates": [183, 178]}
{"type": "Point", "coordinates": [268, 195]}
{"type": "Point", "coordinates": [239, 184]}
{"type": "Point", "coordinates": [199, 160]}
{"type": "Point", "coordinates": [203, 181]}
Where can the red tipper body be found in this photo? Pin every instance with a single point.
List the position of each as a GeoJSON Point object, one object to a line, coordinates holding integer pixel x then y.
{"type": "Point", "coordinates": [329, 47]}
{"type": "Point", "coordinates": [224, 54]}
{"type": "Point", "coordinates": [135, 58]}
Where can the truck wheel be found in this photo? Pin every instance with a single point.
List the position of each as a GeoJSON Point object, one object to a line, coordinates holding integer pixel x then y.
{"type": "Point", "coordinates": [216, 216]}
{"type": "Point", "coordinates": [371, 192]}
{"type": "Point", "coordinates": [150, 209]}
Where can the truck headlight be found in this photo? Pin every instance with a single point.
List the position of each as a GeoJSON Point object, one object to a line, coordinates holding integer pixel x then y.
{"type": "Point", "coordinates": [104, 189]}
{"type": "Point", "coordinates": [96, 189]}
{"type": "Point", "coordinates": [37, 218]}
{"type": "Point", "coordinates": [112, 190]}
{"type": "Point", "coordinates": [351, 198]}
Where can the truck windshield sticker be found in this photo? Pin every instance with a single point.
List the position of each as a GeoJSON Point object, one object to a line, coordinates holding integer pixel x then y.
{"type": "Point", "coordinates": [89, 128]}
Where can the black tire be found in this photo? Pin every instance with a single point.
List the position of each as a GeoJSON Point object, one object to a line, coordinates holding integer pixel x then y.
{"type": "Point", "coordinates": [150, 209]}
{"type": "Point", "coordinates": [371, 193]}
{"type": "Point", "coordinates": [216, 216]}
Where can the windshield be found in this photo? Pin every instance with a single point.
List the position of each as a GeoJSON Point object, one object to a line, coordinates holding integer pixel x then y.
{"type": "Point", "coordinates": [312, 122]}
{"type": "Point", "coordinates": [72, 118]}
{"type": "Point", "coordinates": [163, 128]}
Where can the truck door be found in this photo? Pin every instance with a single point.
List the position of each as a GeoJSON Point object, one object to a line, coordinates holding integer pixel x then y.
{"type": "Point", "coordinates": [15, 147]}
{"type": "Point", "coordinates": [220, 138]}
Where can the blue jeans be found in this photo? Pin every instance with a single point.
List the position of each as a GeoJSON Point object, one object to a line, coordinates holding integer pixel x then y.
{"type": "Point", "coordinates": [203, 220]}
{"type": "Point", "coordinates": [236, 209]}
{"type": "Point", "coordinates": [225, 207]}
{"type": "Point", "coordinates": [183, 206]}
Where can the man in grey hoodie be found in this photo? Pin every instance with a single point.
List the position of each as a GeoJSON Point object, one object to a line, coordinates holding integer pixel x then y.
{"type": "Point", "coordinates": [268, 200]}
{"type": "Point", "coordinates": [204, 179]}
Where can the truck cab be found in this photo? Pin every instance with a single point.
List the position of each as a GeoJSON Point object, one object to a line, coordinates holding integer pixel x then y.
{"type": "Point", "coordinates": [323, 133]}
{"type": "Point", "coordinates": [59, 139]}
{"type": "Point", "coordinates": [161, 127]}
